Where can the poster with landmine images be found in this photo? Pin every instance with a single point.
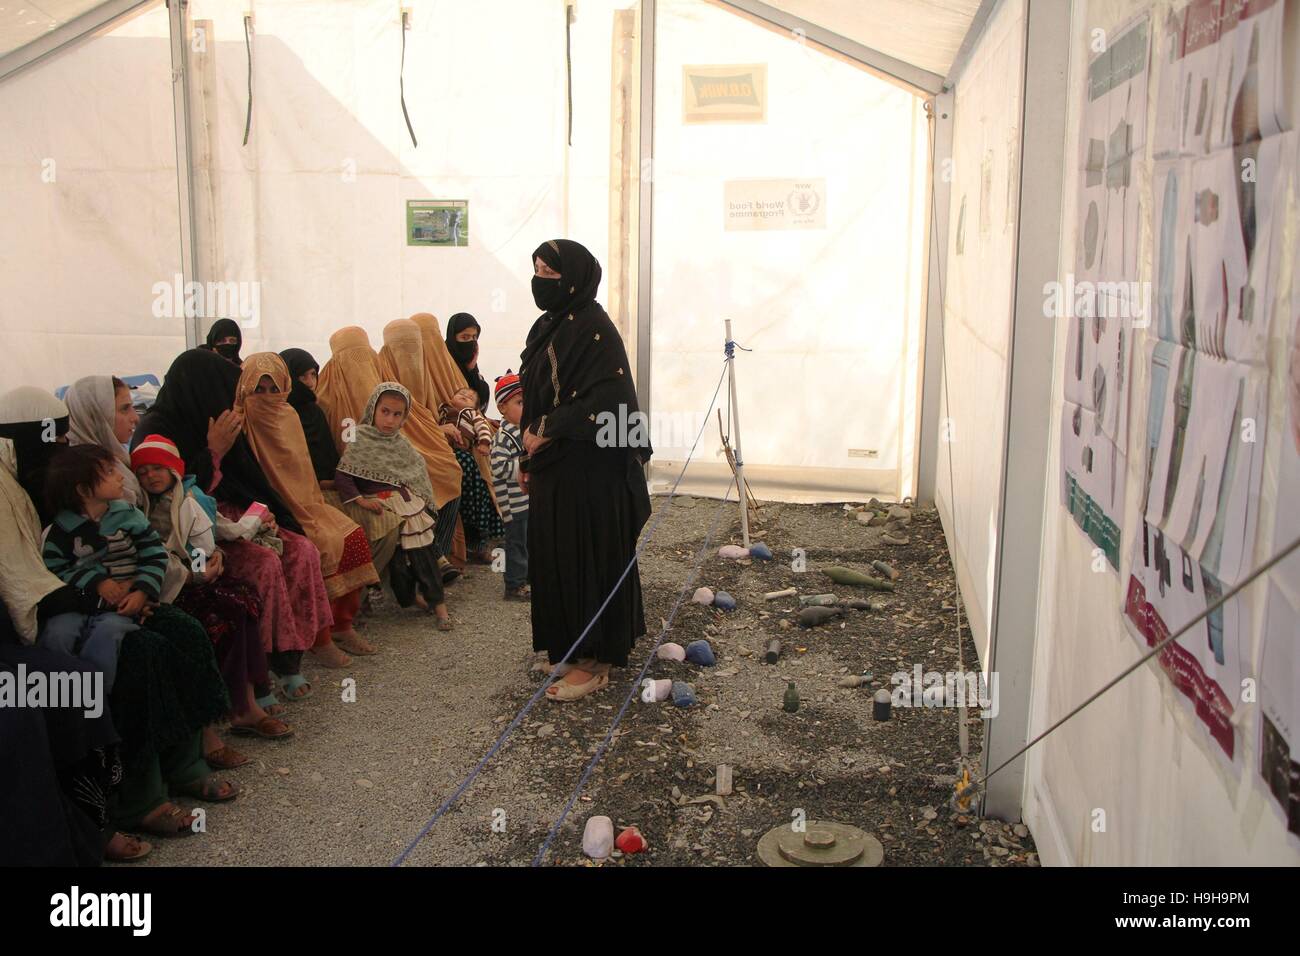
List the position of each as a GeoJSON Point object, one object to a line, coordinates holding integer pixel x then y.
{"type": "Point", "coordinates": [1102, 297]}
{"type": "Point", "coordinates": [1222, 168]}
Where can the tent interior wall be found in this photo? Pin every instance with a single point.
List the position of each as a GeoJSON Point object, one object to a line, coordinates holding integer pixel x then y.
{"type": "Point", "coordinates": [883, 333]}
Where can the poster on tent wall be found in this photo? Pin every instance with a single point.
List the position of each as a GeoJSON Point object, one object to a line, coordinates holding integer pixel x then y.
{"type": "Point", "coordinates": [1221, 170]}
{"type": "Point", "coordinates": [437, 222]}
{"type": "Point", "coordinates": [1101, 297]}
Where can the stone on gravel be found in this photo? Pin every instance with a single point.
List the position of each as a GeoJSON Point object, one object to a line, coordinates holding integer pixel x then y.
{"type": "Point", "coordinates": [699, 652]}
{"type": "Point", "coordinates": [733, 551]}
{"type": "Point", "coordinates": [671, 652]}
{"type": "Point", "coordinates": [598, 837]}
{"type": "Point", "coordinates": [653, 690]}
{"type": "Point", "coordinates": [683, 695]}
{"type": "Point", "coordinates": [545, 730]}
{"type": "Point", "coordinates": [724, 601]}
{"type": "Point", "coordinates": [761, 551]}
{"type": "Point", "coordinates": [702, 596]}
{"type": "Point", "coordinates": [895, 540]}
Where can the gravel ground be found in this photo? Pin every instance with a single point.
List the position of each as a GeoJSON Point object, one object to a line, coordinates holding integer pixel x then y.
{"type": "Point", "coordinates": [359, 779]}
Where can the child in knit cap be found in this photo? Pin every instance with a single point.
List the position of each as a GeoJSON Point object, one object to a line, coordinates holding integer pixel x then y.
{"type": "Point", "coordinates": [512, 499]}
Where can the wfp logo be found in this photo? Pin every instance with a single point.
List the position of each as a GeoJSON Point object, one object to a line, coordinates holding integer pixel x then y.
{"type": "Point", "coordinates": [717, 90]}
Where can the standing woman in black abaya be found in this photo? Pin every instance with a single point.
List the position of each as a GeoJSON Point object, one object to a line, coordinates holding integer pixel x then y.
{"type": "Point", "coordinates": [587, 491]}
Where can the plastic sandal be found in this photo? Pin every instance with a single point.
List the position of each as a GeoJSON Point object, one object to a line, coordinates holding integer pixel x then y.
{"type": "Point", "coordinates": [271, 704]}
{"type": "Point", "coordinates": [292, 683]}
{"type": "Point", "coordinates": [565, 691]}
{"type": "Point", "coordinates": [209, 790]}
{"type": "Point", "coordinates": [355, 644]}
{"type": "Point", "coordinates": [268, 728]}
{"type": "Point", "coordinates": [225, 758]}
{"type": "Point", "coordinates": [444, 624]}
{"type": "Point", "coordinates": [138, 849]}
{"type": "Point", "coordinates": [173, 822]}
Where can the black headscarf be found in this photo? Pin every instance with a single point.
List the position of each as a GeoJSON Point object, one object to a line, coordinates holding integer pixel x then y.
{"type": "Point", "coordinates": [315, 426]}
{"type": "Point", "coordinates": [575, 345]}
{"type": "Point", "coordinates": [223, 328]}
{"type": "Point", "coordinates": [462, 353]}
{"type": "Point", "coordinates": [199, 386]}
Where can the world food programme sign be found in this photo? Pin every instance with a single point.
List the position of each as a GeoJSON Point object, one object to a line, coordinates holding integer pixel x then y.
{"type": "Point", "coordinates": [774, 204]}
{"type": "Point", "coordinates": [724, 94]}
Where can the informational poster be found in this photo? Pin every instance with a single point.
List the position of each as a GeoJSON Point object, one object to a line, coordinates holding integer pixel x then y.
{"type": "Point", "coordinates": [437, 222]}
{"type": "Point", "coordinates": [724, 94]}
{"type": "Point", "coordinates": [1221, 170]}
{"type": "Point", "coordinates": [1103, 298]}
{"type": "Point", "coordinates": [774, 204]}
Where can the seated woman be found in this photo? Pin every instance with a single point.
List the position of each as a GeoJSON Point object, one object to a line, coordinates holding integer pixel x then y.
{"type": "Point", "coordinates": [226, 340]}
{"type": "Point", "coordinates": [382, 530]}
{"type": "Point", "coordinates": [58, 764]}
{"type": "Point", "coordinates": [276, 437]}
{"type": "Point", "coordinates": [100, 412]}
{"type": "Point", "coordinates": [381, 470]}
{"type": "Point", "coordinates": [188, 523]}
{"type": "Point", "coordinates": [194, 409]}
{"type": "Point", "coordinates": [478, 509]}
{"type": "Point", "coordinates": [166, 688]}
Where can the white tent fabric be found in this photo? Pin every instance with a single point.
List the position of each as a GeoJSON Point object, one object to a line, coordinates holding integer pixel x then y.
{"type": "Point", "coordinates": [828, 395]}
{"type": "Point", "coordinates": [978, 307]}
{"type": "Point", "coordinates": [88, 185]}
{"type": "Point", "coordinates": [309, 214]}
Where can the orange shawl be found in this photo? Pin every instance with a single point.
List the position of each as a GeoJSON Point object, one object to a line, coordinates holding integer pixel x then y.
{"type": "Point", "coordinates": [348, 378]}
{"type": "Point", "coordinates": [444, 379]}
{"type": "Point", "coordinates": [274, 432]}
{"type": "Point", "coordinates": [401, 360]}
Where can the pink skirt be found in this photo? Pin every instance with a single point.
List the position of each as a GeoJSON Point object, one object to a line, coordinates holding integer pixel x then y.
{"type": "Point", "coordinates": [294, 605]}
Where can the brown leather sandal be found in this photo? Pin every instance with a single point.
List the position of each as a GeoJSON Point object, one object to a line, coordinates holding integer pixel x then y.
{"type": "Point", "coordinates": [173, 821]}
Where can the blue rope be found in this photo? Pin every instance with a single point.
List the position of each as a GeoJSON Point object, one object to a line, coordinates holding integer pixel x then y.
{"type": "Point", "coordinates": [636, 684]}
{"type": "Point", "coordinates": [510, 728]}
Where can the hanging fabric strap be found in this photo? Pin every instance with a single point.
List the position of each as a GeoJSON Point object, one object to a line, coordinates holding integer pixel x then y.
{"type": "Point", "coordinates": [568, 62]}
{"type": "Point", "coordinates": [401, 82]}
{"type": "Point", "coordinates": [248, 51]}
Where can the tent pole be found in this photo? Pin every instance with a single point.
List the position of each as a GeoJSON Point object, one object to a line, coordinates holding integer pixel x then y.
{"type": "Point", "coordinates": [645, 202]}
{"type": "Point", "coordinates": [735, 425]}
{"type": "Point", "coordinates": [178, 14]}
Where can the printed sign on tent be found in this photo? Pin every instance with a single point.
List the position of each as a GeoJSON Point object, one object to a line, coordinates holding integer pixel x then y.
{"type": "Point", "coordinates": [724, 94]}
{"type": "Point", "coordinates": [437, 222]}
{"type": "Point", "coordinates": [775, 204]}
{"type": "Point", "coordinates": [1222, 169]}
{"type": "Point", "coordinates": [1109, 302]}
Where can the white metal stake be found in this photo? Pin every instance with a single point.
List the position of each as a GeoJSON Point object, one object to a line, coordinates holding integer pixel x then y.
{"type": "Point", "coordinates": [735, 426]}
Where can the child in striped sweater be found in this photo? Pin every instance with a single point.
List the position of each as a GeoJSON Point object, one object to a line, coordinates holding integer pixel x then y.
{"type": "Point", "coordinates": [100, 544]}
{"type": "Point", "coordinates": [512, 499]}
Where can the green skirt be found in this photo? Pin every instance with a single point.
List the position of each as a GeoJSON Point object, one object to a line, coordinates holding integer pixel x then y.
{"type": "Point", "coordinates": [168, 685]}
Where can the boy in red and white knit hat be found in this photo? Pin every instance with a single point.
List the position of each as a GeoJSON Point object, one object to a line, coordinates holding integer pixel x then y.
{"type": "Point", "coordinates": [512, 499]}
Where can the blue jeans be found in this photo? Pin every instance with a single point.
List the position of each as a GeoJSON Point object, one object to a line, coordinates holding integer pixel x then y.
{"type": "Point", "coordinates": [517, 552]}
{"type": "Point", "coordinates": [96, 638]}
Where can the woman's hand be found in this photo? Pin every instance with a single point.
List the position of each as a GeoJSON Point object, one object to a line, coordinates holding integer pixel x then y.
{"type": "Point", "coordinates": [223, 431]}
{"type": "Point", "coordinates": [455, 436]}
{"type": "Point", "coordinates": [371, 504]}
{"type": "Point", "coordinates": [132, 604]}
{"type": "Point", "coordinates": [532, 442]}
